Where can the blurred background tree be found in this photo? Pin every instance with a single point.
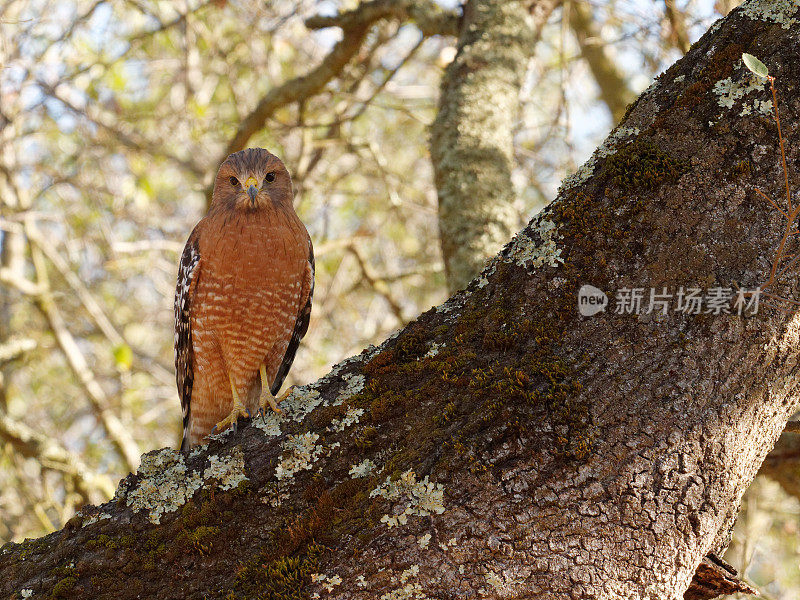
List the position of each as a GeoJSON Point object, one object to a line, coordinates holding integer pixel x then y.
{"type": "Point", "coordinates": [114, 117]}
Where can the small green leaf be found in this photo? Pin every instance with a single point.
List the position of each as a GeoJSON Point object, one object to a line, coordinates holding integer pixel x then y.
{"type": "Point", "coordinates": [755, 65]}
{"type": "Point", "coordinates": [123, 356]}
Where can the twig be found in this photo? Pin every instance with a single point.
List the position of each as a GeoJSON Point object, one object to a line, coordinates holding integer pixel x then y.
{"type": "Point", "coordinates": [377, 284]}
{"type": "Point", "coordinates": [771, 201]}
{"type": "Point", "coordinates": [14, 348]}
{"type": "Point", "coordinates": [780, 139]}
{"type": "Point", "coordinates": [431, 18]}
{"type": "Point", "coordinates": [92, 306]}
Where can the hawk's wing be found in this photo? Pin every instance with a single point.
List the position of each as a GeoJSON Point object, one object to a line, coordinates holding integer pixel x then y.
{"type": "Point", "coordinates": [301, 324]}
{"type": "Point", "coordinates": [188, 275]}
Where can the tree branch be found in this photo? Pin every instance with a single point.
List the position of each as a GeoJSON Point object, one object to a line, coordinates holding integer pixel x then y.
{"type": "Point", "coordinates": [429, 16]}
{"type": "Point", "coordinates": [122, 439]}
{"type": "Point", "coordinates": [614, 90]}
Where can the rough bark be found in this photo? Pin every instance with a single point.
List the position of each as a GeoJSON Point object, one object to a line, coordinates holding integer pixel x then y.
{"type": "Point", "coordinates": [471, 137]}
{"type": "Point", "coordinates": [515, 448]}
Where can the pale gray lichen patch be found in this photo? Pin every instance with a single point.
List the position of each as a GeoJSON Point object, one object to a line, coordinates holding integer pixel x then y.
{"type": "Point", "coordinates": [220, 435]}
{"type": "Point", "coordinates": [652, 87]}
{"type": "Point", "coordinates": [774, 11]}
{"type": "Point", "coordinates": [101, 516]}
{"type": "Point", "coordinates": [326, 581]}
{"type": "Point", "coordinates": [501, 584]}
{"type": "Point", "coordinates": [341, 366]}
{"type": "Point", "coordinates": [424, 541]}
{"type": "Point", "coordinates": [354, 383]}
{"type": "Point", "coordinates": [164, 484]}
{"type": "Point", "coordinates": [736, 87]}
{"type": "Point", "coordinates": [452, 304]}
{"type": "Point", "coordinates": [444, 546]}
{"type": "Point", "coordinates": [763, 107]}
{"type": "Point", "coordinates": [299, 453]}
{"type": "Point", "coordinates": [715, 26]}
{"type": "Point", "coordinates": [362, 469]}
{"type": "Point", "coordinates": [228, 470]}
{"type": "Point", "coordinates": [411, 497]}
{"type": "Point", "coordinates": [528, 251]}
{"type": "Point", "coordinates": [270, 423]}
{"type": "Point", "coordinates": [299, 403]}
{"type": "Point", "coordinates": [434, 349]}
{"type": "Point", "coordinates": [410, 589]}
{"type": "Point", "coordinates": [350, 418]}
{"type": "Point", "coordinates": [198, 450]}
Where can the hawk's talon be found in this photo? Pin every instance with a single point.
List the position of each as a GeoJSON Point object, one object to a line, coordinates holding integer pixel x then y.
{"type": "Point", "coordinates": [238, 412]}
{"type": "Point", "coordinates": [267, 399]}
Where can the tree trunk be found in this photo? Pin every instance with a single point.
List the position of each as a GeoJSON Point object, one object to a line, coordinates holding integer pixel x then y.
{"type": "Point", "coordinates": [502, 445]}
{"type": "Point", "coordinates": [471, 139]}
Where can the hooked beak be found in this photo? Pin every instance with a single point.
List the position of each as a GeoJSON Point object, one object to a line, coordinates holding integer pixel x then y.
{"type": "Point", "coordinates": [252, 189]}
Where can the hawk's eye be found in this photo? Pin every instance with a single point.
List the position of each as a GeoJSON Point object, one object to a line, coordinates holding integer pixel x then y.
{"type": "Point", "coordinates": [270, 176]}
{"type": "Point", "coordinates": [234, 182]}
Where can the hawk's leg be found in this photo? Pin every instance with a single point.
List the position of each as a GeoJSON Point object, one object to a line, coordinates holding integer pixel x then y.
{"type": "Point", "coordinates": [267, 399]}
{"type": "Point", "coordinates": [237, 412]}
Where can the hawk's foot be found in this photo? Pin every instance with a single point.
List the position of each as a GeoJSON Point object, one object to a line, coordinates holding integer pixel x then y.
{"type": "Point", "coordinates": [238, 412]}
{"type": "Point", "coordinates": [267, 399]}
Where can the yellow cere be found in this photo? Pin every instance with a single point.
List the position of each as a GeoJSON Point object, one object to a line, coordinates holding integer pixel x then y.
{"type": "Point", "coordinates": [251, 181]}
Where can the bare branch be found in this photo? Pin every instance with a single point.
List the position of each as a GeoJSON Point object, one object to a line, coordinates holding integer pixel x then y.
{"type": "Point", "coordinates": [431, 18]}
{"type": "Point", "coordinates": [678, 37]}
{"type": "Point", "coordinates": [614, 90]}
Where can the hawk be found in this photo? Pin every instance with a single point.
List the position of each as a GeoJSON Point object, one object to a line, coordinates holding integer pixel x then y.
{"type": "Point", "coordinates": [243, 299]}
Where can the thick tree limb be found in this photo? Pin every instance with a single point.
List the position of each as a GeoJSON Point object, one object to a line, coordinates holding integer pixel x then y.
{"type": "Point", "coordinates": [503, 445]}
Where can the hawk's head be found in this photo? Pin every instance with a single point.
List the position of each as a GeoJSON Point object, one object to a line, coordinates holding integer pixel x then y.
{"type": "Point", "coordinates": [252, 179]}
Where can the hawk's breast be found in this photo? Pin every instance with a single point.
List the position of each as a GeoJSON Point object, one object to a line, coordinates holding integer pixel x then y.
{"type": "Point", "coordinates": [249, 293]}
